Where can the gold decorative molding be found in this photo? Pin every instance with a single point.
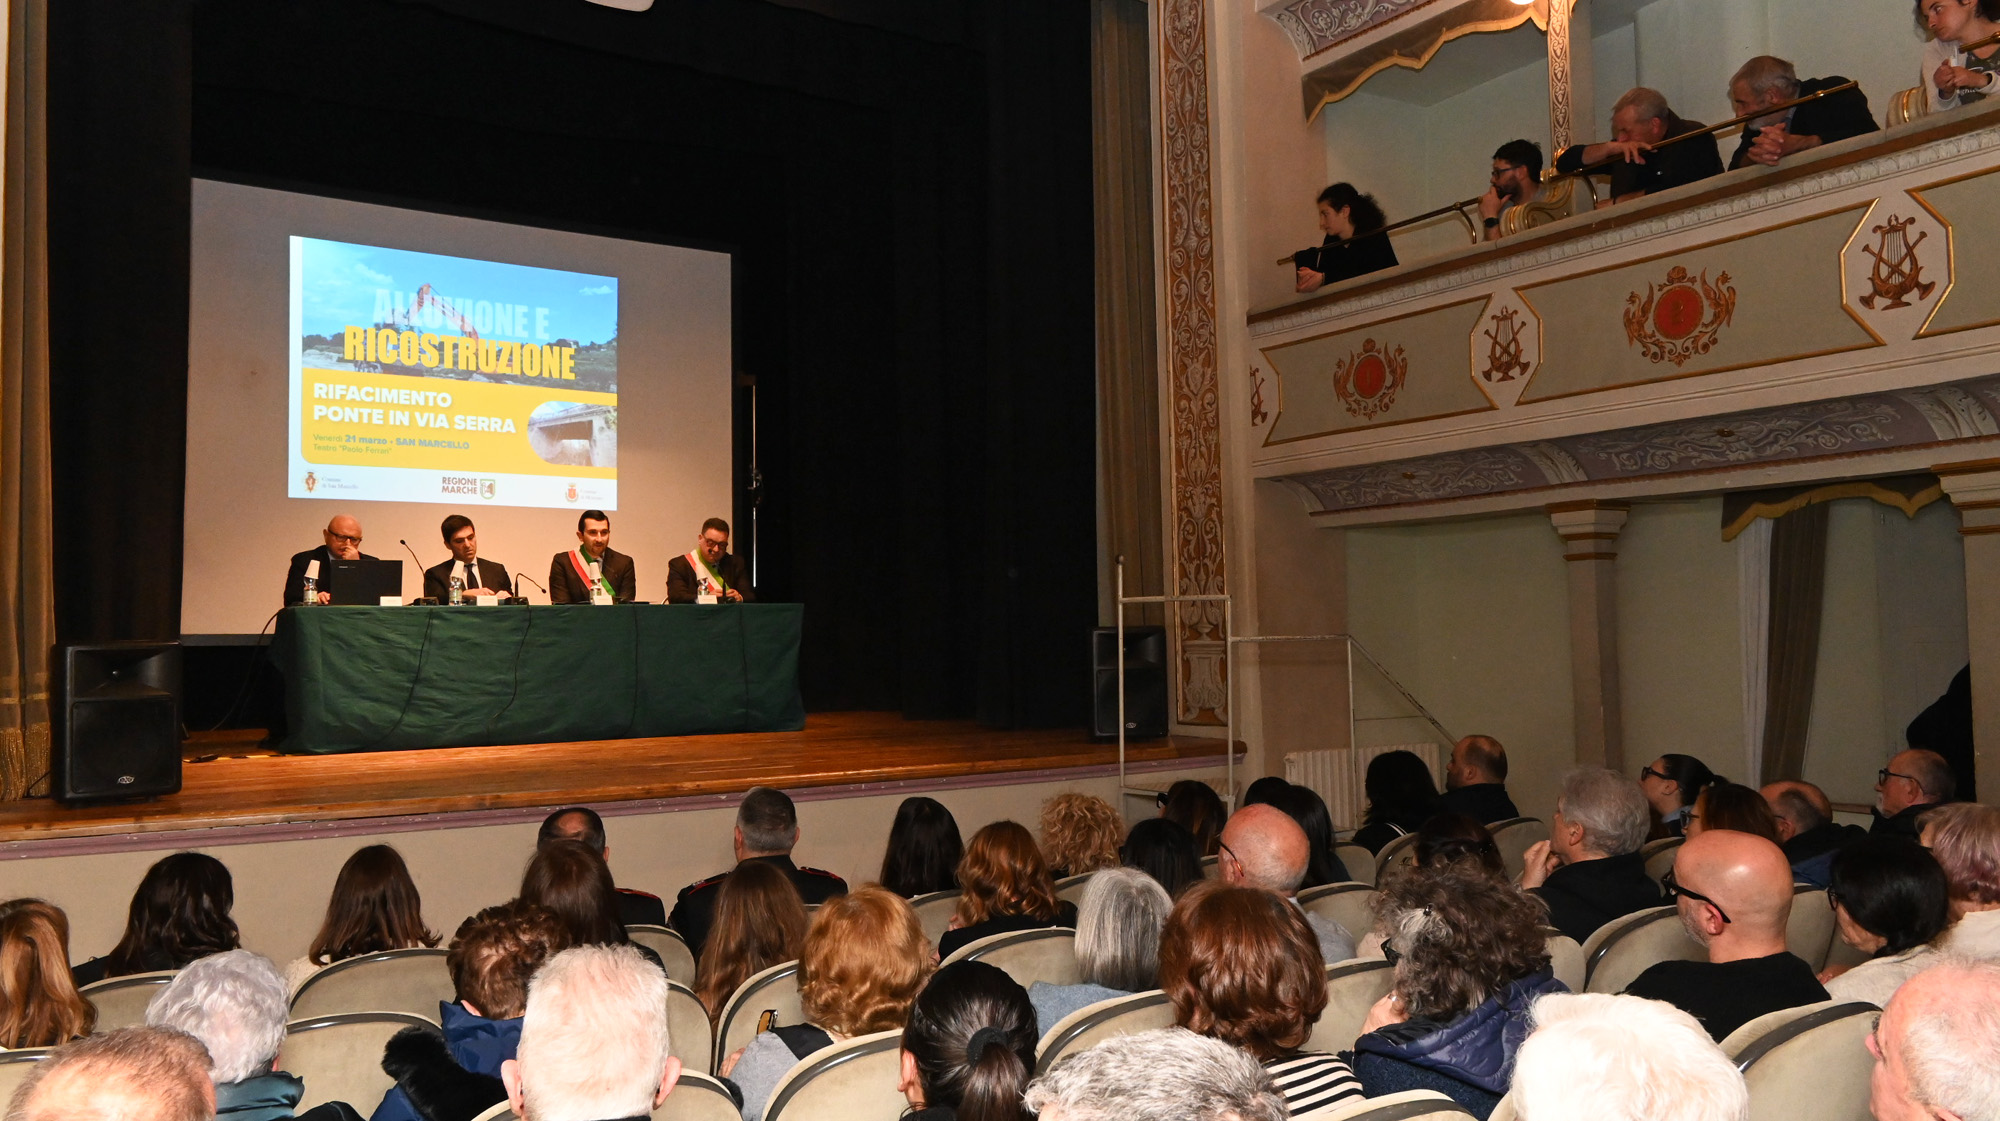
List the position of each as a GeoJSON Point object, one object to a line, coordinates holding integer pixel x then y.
{"type": "Point", "coordinates": [1412, 48]}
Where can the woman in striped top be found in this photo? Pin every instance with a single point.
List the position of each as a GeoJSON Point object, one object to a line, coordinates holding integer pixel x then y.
{"type": "Point", "coordinates": [1242, 966]}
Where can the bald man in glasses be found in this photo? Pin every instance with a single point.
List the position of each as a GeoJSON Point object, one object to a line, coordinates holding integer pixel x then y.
{"type": "Point", "coordinates": [343, 542]}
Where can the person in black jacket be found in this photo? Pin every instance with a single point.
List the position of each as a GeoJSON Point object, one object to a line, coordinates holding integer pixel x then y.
{"type": "Point", "coordinates": [481, 577]}
{"type": "Point", "coordinates": [343, 542]}
{"type": "Point", "coordinates": [1639, 121]}
{"type": "Point", "coordinates": [1475, 781]}
{"type": "Point", "coordinates": [1807, 831]}
{"type": "Point", "coordinates": [1765, 81]}
{"type": "Point", "coordinates": [1343, 212]}
{"type": "Point", "coordinates": [1590, 871]}
{"type": "Point", "coordinates": [709, 569]}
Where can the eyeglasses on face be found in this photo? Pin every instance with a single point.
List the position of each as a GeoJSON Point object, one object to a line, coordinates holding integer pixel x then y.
{"type": "Point", "coordinates": [1674, 888]}
{"type": "Point", "coordinates": [344, 537]}
{"type": "Point", "coordinates": [1648, 770]}
{"type": "Point", "coordinates": [1885, 774]}
{"type": "Point", "coordinates": [1391, 954]}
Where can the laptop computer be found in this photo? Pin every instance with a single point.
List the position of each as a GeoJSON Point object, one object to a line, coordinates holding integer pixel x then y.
{"type": "Point", "coordinates": [361, 583]}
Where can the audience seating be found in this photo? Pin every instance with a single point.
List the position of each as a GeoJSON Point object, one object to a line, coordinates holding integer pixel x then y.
{"type": "Point", "coordinates": [340, 1057]}
{"type": "Point", "coordinates": [1352, 905]}
{"type": "Point", "coordinates": [775, 990]}
{"type": "Point", "coordinates": [1809, 929]}
{"type": "Point", "coordinates": [1514, 837]}
{"type": "Point", "coordinates": [413, 981]}
{"type": "Point", "coordinates": [1807, 1064]}
{"type": "Point", "coordinates": [672, 948]}
{"type": "Point", "coordinates": [1566, 961]}
{"type": "Point", "coordinates": [691, 1036]}
{"type": "Point", "coordinates": [698, 1097]}
{"type": "Point", "coordinates": [1027, 955]}
{"type": "Point", "coordinates": [1087, 1027]}
{"type": "Point", "coordinates": [15, 1066]}
{"type": "Point", "coordinates": [1352, 988]}
{"type": "Point", "coordinates": [1659, 856]}
{"type": "Point", "coordinates": [1392, 854]}
{"type": "Point", "coordinates": [1070, 888]}
{"type": "Point", "coordinates": [1359, 862]}
{"type": "Point", "coordinates": [1408, 1105]}
{"type": "Point", "coordinates": [1627, 946]}
{"type": "Point", "coordinates": [935, 911]}
{"type": "Point", "coordinates": [121, 1001]}
{"type": "Point", "coordinates": [853, 1080]}
{"type": "Point", "coordinates": [1838, 952]}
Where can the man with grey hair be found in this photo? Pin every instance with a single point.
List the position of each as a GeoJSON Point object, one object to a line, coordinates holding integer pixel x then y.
{"type": "Point", "coordinates": [1170, 1074]}
{"type": "Point", "coordinates": [155, 1073]}
{"type": "Point", "coordinates": [767, 829]}
{"type": "Point", "coordinates": [1914, 781]}
{"type": "Point", "coordinates": [1262, 847]}
{"type": "Point", "coordinates": [1807, 831]}
{"type": "Point", "coordinates": [1641, 122]}
{"type": "Point", "coordinates": [593, 1040]}
{"type": "Point", "coordinates": [236, 1004]}
{"type": "Point", "coordinates": [1766, 81]}
{"type": "Point", "coordinates": [1645, 1058]}
{"type": "Point", "coordinates": [1590, 871]}
{"type": "Point", "coordinates": [1937, 1047]}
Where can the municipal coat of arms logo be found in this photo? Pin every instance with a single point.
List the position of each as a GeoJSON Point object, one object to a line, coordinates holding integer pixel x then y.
{"type": "Point", "coordinates": [1680, 318]}
{"type": "Point", "coordinates": [570, 494]}
{"type": "Point", "coordinates": [1367, 380]}
{"type": "Point", "coordinates": [312, 481]}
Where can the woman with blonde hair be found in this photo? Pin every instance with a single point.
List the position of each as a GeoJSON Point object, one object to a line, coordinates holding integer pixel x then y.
{"type": "Point", "coordinates": [1004, 886]}
{"type": "Point", "coordinates": [1080, 833]}
{"type": "Point", "coordinates": [39, 1004]}
{"type": "Point", "coordinates": [759, 922]}
{"type": "Point", "coordinates": [865, 959]}
{"type": "Point", "coordinates": [374, 907]}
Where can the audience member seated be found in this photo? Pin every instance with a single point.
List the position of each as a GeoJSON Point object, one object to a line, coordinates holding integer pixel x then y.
{"type": "Point", "coordinates": [923, 851]}
{"type": "Point", "coordinates": [1671, 783]}
{"type": "Point", "coordinates": [1452, 838]}
{"type": "Point", "coordinates": [1165, 851]}
{"type": "Point", "coordinates": [1167, 1075]}
{"type": "Point", "coordinates": [151, 1073]}
{"type": "Point", "coordinates": [236, 1003]}
{"type": "Point", "coordinates": [1890, 901]}
{"type": "Point", "coordinates": [1734, 891]}
{"type": "Point", "coordinates": [1469, 960]}
{"type": "Point", "coordinates": [1117, 945]}
{"type": "Point", "coordinates": [1914, 781]}
{"type": "Point", "coordinates": [593, 1039]}
{"type": "Point", "coordinates": [1265, 849]}
{"type": "Point", "coordinates": [1004, 886]}
{"type": "Point", "coordinates": [582, 824]}
{"type": "Point", "coordinates": [1197, 808]}
{"type": "Point", "coordinates": [1266, 791]}
{"type": "Point", "coordinates": [1305, 806]}
{"type": "Point", "coordinates": [374, 907]}
{"type": "Point", "coordinates": [759, 922]}
{"type": "Point", "coordinates": [1640, 122]}
{"type": "Point", "coordinates": [1807, 831]}
{"type": "Point", "coordinates": [1401, 797]}
{"type": "Point", "coordinates": [1590, 871]}
{"type": "Point", "coordinates": [1241, 965]}
{"type": "Point", "coordinates": [1765, 81]}
{"type": "Point", "coordinates": [39, 1005]}
{"type": "Point", "coordinates": [969, 1046]}
{"type": "Point", "coordinates": [1080, 833]}
{"type": "Point", "coordinates": [1937, 1047]}
{"type": "Point", "coordinates": [575, 886]}
{"type": "Point", "coordinates": [1729, 805]}
{"type": "Point", "coordinates": [1343, 212]}
{"type": "Point", "coordinates": [179, 913]}
{"type": "Point", "coordinates": [492, 958]}
{"type": "Point", "coordinates": [1953, 77]}
{"type": "Point", "coordinates": [1965, 839]}
{"type": "Point", "coordinates": [767, 829]}
{"type": "Point", "coordinates": [865, 959]}
{"type": "Point", "coordinates": [1595, 1057]}
{"type": "Point", "coordinates": [1475, 781]}
{"type": "Point", "coordinates": [1516, 181]}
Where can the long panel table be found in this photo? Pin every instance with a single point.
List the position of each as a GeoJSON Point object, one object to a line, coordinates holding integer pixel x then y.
{"type": "Point", "coordinates": [382, 678]}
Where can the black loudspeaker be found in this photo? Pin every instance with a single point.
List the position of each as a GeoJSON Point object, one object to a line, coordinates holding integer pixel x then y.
{"type": "Point", "coordinates": [118, 722]}
{"type": "Point", "coordinates": [1145, 682]}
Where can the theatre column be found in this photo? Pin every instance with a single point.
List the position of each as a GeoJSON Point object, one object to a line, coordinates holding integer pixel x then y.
{"type": "Point", "coordinates": [1590, 538]}
{"type": "Point", "coordinates": [1975, 489]}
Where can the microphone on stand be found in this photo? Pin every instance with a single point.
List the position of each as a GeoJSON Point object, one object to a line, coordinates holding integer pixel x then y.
{"type": "Point", "coordinates": [420, 569]}
{"type": "Point", "coordinates": [518, 597]}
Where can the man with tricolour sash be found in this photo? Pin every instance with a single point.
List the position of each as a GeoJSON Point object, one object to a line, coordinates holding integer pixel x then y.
{"type": "Point", "coordinates": [593, 572]}
{"type": "Point", "coordinates": [709, 573]}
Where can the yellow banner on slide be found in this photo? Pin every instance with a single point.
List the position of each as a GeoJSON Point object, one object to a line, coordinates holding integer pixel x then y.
{"type": "Point", "coordinates": [393, 420]}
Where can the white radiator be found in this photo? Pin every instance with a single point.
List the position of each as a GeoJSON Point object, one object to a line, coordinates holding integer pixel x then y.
{"type": "Point", "coordinates": [1336, 775]}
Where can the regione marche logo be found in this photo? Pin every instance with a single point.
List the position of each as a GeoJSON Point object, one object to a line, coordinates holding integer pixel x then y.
{"type": "Point", "coordinates": [486, 488]}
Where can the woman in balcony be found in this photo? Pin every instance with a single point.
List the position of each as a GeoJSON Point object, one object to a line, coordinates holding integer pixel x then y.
{"type": "Point", "coordinates": [1343, 212]}
{"type": "Point", "coordinates": [1952, 75]}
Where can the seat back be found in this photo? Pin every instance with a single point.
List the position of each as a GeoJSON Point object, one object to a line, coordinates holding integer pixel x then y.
{"type": "Point", "coordinates": [672, 948]}
{"type": "Point", "coordinates": [340, 1057]}
{"type": "Point", "coordinates": [1391, 855]}
{"type": "Point", "coordinates": [1087, 1027]}
{"type": "Point", "coordinates": [1566, 960]}
{"type": "Point", "coordinates": [1352, 988]}
{"type": "Point", "coordinates": [774, 990]}
{"type": "Point", "coordinates": [1659, 856]}
{"type": "Point", "coordinates": [412, 981]}
{"type": "Point", "coordinates": [15, 1066]}
{"type": "Point", "coordinates": [698, 1097]}
{"type": "Point", "coordinates": [1070, 888]}
{"type": "Point", "coordinates": [934, 911]}
{"type": "Point", "coordinates": [1352, 905]}
{"type": "Point", "coordinates": [1504, 1110]}
{"type": "Point", "coordinates": [1027, 955]}
{"type": "Point", "coordinates": [1628, 946]}
{"type": "Point", "coordinates": [1813, 1067]}
{"type": "Point", "coordinates": [1359, 862]}
{"type": "Point", "coordinates": [1407, 1105]}
{"type": "Point", "coordinates": [691, 1038]}
{"type": "Point", "coordinates": [1514, 837]}
{"type": "Point", "coordinates": [1211, 867]}
{"type": "Point", "coordinates": [853, 1080]}
{"type": "Point", "coordinates": [1810, 927]}
{"type": "Point", "coordinates": [121, 1001]}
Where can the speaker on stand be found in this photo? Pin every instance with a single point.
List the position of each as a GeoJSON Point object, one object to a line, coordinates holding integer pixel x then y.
{"type": "Point", "coordinates": [1145, 682]}
{"type": "Point", "coordinates": [118, 722]}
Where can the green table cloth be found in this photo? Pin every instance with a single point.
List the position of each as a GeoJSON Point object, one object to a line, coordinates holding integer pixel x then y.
{"type": "Point", "coordinates": [381, 678]}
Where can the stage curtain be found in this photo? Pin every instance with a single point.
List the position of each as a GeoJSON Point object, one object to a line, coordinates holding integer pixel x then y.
{"type": "Point", "coordinates": [1798, 585]}
{"type": "Point", "coordinates": [27, 614]}
{"type": "Point", "coordinates": [1128, 393]}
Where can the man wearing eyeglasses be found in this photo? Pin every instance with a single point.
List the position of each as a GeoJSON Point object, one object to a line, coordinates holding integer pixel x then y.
{"type": "Point", "coordinates": [343, 542]}
{"type": "Point", "coordinates": [1913, 782]}
{"type": "Point", "coordinates": [1516, 181]}
{"type": "Point", "coordinates": [709, 573]}
{"type": "Point", "coordinates": [1734, 893]}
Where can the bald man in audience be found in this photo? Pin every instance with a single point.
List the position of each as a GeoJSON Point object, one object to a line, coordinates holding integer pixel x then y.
{"type": "Point", "coordinates": [155, 1073]}
{"type": "Point", "coordinates": [1262, 847]}
{"type": "Point", "coordinates": [582, 824]}
{"type": "Point", "coordinates": [1734, 891]}
{"type": "Point", "coordinates": [1590, 871]}
{"type": "Point", "coordinates": [1937, 1047]}
{"type": "Point", "coordinates": [1475, 781]}
{"type": "Point", "coordinates": [1913, 782]}
{"type": "Point", "coordinates": [1807, 831]}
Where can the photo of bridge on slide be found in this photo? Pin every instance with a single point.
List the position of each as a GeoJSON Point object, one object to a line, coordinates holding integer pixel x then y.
{"type": "Point", "coordinates": [575, 434]}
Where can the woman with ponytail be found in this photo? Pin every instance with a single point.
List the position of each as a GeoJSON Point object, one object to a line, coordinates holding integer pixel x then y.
{"type": "Point", "coordinates": [969, 1048]}
{"type": "Point", "coordinates": [1672, 783]}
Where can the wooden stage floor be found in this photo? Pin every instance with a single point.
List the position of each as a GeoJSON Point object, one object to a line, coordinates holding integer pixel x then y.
{"type": "Point", "coordinates": [251, 787]}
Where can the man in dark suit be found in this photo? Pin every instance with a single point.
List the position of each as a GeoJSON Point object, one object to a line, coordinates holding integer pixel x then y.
{"type": "Point", "coordinates": [343, 542]}
{"type": "Point", "coordinates": [1475, 781]}
{"type": "Point", "coordinates": [1912, 784]}
{"type": "Point", "coordinates": [571, 579]}
{"type": "Point", "coordinates": [767, 829]}
{"type": "Point", "coordinates": [1590, 870]}
{"type": "Point", "coordinates": [583, 825]}
{"type": "Point", "coordinates": [1807, 831]}
{"type": "Point", "coordinates": [710, 570]}
{"type": "Point", "coordinates": [1765, 81]}
{"type": "Point", "coordinates": [482, 577]}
